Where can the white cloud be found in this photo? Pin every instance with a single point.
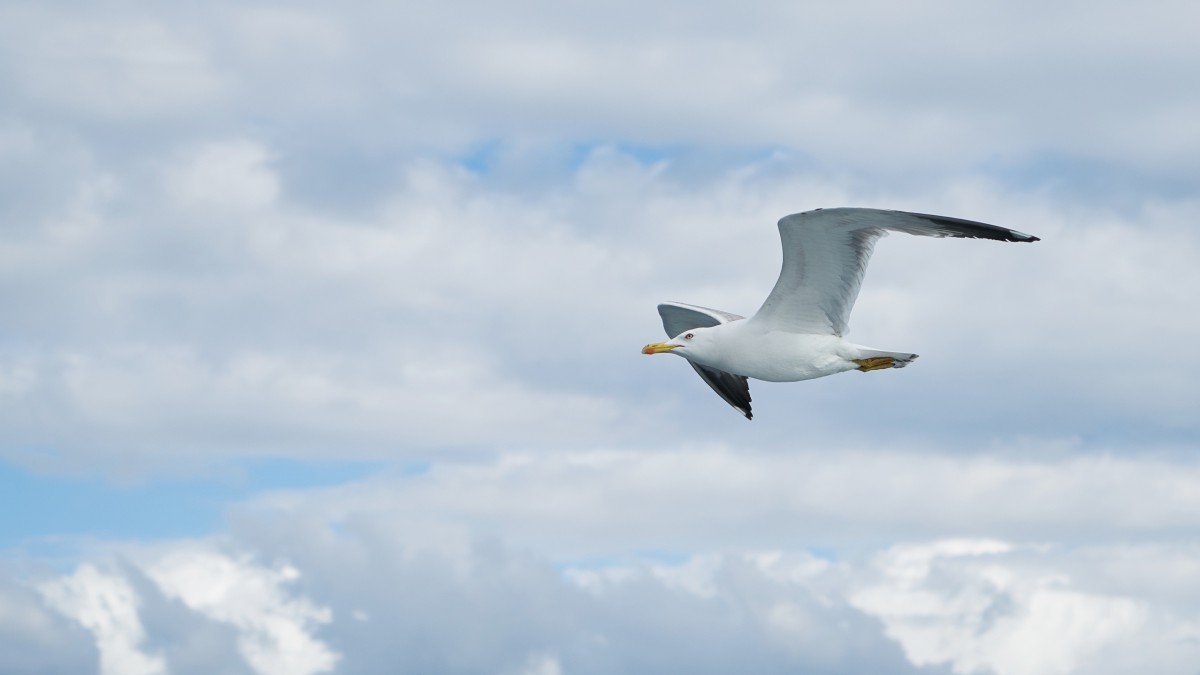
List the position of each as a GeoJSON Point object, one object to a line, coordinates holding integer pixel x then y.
{"type": "Point", "coordinates": [135, 633]}
{"type": "Point", "coordinates": [970, 606]}
{"type": "Point", "coordinates": [541, 664]}
{"type": "Point", "coordinates": [128, 67]}
{"type": "Point", "coordinates": [676, 500]}
{"type": "Point", "coordinates": [953, 88]}
{"type": "Point", "coordinates": [274, 628]}
{"type": "Point", "coordinates": [958, 602]}
{"type": "Point", "coordinates": [107, 606]}
{"type": "Point", "coordinates": [489, 608]}
{"type": "Point", "coordinates": [231, 175]}
{"type": "Point", "coordinates": [301, 403]}
{"type": "Point", "coordinates": [281, 35]}
{"type": "Point", "coordinates": [461, 311]}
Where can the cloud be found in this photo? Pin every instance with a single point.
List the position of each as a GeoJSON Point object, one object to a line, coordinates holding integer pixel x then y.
{"type": "Point", "coordinates": [461, 313]}
{"type": "Point", "coordinates": [106, 605]}
{"type": "Point", "coordinates": [35, 638]}
{"type": "Point", "coordinates": [951, 602]}
{"type": "Point", "coordinates": [274, 629]}
{"type": "Point", "coordinates": [528, 563]}
{"type": "Point", "coordinates": [131, 67]}
{"type": "Point", "coordinates": [194, 609]}
{"type": "Point", "coordinates": [252, 239]}
{"type": "Point", "coordinates": [540, 664]}
{"type": "Point", "coordinates": [842, 496]}
{"type": "Point", "coordinates": [943, 102]}
{"type": "Point", "coordinates": [226, 175]}
{"type": "Point", "coordinates": [487, 608]}
{"type": "Point", "coordinates": [962, 605]}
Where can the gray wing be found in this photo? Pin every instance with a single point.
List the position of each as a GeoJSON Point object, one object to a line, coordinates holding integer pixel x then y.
{"type": "Point", "coordinates": [825, 255]}
{"type": "Point", "coordinates": [677, 318]}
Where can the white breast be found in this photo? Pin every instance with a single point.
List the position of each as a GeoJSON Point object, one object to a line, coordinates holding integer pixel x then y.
{"type": "Point", "coordinates": [778, 356]}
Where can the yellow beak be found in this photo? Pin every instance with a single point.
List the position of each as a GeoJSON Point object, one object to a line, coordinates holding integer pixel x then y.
{"type": "Point", "coordinates": [658, 348]}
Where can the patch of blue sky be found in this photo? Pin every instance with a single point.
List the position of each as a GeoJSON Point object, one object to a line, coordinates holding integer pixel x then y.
{"type": "Point", "coordinates": [44, 508]}
{"type": "Point", "coordinates": [647, 155]}
{"type": "Point", "coordinates": [481, 157]}
{"type": "Point", "coordinates": [489, 156]}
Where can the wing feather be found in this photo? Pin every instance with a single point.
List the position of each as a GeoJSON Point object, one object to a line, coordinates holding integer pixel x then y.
{"type": "Point", "coordinates": [825, 256]}
{"type": "Point", "coordinates": [733, 389]}
{"type": "Point", "coordinates": [678, 317]}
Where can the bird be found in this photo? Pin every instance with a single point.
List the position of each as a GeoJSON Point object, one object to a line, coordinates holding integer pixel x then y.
{"type": "Point", "coordinates": [798, 332]}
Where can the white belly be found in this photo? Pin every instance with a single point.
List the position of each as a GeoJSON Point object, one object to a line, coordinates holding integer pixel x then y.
{"type": "Point", "coordinates": [784, 357]}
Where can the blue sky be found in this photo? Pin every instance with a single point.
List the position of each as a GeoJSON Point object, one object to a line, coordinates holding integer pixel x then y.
{"type": "Point", "coordinates": [321, 332]}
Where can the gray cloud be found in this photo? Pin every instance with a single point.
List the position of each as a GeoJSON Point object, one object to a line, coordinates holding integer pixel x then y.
{"type": "Point", "coordinates": [36, 639]}
{"type": "Point", "coordinates": [366, 600]}
{"type": "Point", "coordinates": [372, 596]}
{"type": "Point", "coordinates": [189, 642]}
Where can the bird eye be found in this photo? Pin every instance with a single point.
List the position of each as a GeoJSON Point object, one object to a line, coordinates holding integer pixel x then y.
{"type": "Point", "coordinates": [689, 336]}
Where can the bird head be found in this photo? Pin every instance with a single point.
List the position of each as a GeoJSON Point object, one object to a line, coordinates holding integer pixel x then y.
{"type": "Point", "coordinates": [690, 344]}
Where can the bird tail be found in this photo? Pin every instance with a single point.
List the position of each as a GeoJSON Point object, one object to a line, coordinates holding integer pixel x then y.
{"type": "Point", "coordinates": [875, 359]}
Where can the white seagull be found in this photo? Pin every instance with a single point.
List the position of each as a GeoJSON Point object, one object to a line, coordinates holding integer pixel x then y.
{"type": "Point", "coordinates": [797, 333]}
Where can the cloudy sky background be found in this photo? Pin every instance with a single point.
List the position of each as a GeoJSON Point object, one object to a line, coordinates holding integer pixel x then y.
{"type": "Point", "coordinates": [321, 329]}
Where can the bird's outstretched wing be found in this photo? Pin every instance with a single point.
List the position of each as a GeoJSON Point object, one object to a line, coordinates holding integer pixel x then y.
{"type": "Point", "coordinates": [825, 254]}
{"type": "Point", "coordinates": [677, 318]}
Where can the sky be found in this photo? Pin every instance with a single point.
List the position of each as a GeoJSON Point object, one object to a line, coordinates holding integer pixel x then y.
{"type": "Point", "coordinates": [321, 332]}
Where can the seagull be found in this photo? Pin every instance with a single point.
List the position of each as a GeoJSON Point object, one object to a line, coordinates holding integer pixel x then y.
{"type": "Point", "coordinates": [798, 332]}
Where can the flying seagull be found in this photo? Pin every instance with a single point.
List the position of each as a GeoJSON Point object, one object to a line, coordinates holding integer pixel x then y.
{"type": "Point", "coordinates": [797, 334]}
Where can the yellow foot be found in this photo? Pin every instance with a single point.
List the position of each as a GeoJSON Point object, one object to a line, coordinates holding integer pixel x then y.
{"type": "Point", "coordinates": [877, 363]}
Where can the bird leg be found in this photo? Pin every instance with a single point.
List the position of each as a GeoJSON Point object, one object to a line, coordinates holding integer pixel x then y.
{"type": "Point", "coordinates": [876, 363]}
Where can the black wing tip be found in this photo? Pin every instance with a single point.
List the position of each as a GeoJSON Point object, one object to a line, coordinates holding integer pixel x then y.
{"type": "Point", "coordinates": [733, 389]}
{"type": "Point", "coordinates": [744, 408]}
{"type": "Point", "coordinates": [1016, 238]}
{"type": "Point", "coordinates": [973, 229]}
{"type": "Point", "coordinates": [1019, 237]}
